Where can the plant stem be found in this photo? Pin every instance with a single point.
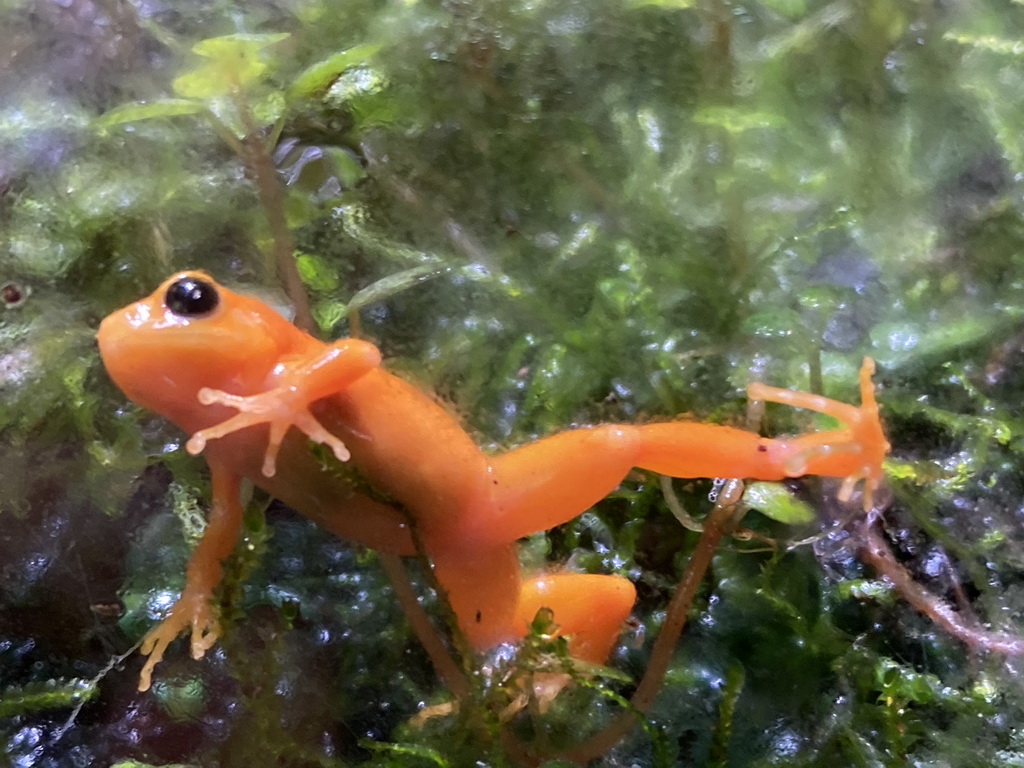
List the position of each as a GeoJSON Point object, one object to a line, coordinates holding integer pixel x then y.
{"type": "Point", "coordinates": [877, 554]}
{"type": "Point", "coordinates": [268, 184]}
{"type": "Point", "coordinates": [719, 522]}
{"type": "Point", "coordinates": [444, 665]}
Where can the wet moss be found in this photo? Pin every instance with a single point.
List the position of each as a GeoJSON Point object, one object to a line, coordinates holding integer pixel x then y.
{"type": "Point", "coordinates": [551, 214]}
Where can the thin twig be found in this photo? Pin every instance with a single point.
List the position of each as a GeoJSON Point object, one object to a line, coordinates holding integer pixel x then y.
{"type": "Point", "coordinates": [91, 685]}
{"type": "Point", "coordinates": [271, 193]}
{"type": "Point", "coordinates": [719, 522]}
{"type": "Point", "coordinates": [675, 506]}
{"type": "Point", "coordinates": [876, 552]}
{"type": "Point", "coordinates": [427, 634]}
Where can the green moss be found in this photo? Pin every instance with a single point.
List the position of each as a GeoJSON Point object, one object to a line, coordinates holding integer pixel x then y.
{"type": "Point", "coordinates": [550, 213]}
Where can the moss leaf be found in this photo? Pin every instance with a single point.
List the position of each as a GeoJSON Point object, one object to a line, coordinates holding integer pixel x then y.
{"type": "Point", "coordinates": [319, 76]}
{"type": "Point", "coordinates": [774, 501]}
{"type": "Point", "coordinates": [235, 61]}
{"type": "Point", "coordinates": [144, 110]}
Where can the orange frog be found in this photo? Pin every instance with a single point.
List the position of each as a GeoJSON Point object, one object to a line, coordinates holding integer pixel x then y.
{"type": "Point", "coordinates": [238, 377]}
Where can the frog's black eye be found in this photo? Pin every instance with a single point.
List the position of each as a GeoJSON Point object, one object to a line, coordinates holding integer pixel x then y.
{"type": "Point", "coordinates": [191, 297]}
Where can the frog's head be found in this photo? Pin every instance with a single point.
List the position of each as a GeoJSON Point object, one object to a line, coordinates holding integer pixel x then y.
{"type": "Point", "coordinates": [188, 334]}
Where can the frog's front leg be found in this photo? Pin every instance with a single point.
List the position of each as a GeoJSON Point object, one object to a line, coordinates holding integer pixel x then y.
{"type": "Point", "coordinates": [193, 609]}
{"type": "Point", "coordinates": [293, 386]}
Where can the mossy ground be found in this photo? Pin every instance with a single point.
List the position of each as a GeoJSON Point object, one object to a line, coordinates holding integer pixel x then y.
{"type": "Point", "coordinates": [551, 213]}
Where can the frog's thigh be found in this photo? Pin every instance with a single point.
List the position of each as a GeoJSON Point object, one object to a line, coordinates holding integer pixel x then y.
{"type": "Point", "coordinates": [551, 481]}
{"type": "Point", "coordinates": [482, 586]}
{"type": "Point", "coordinates": [588, 608]}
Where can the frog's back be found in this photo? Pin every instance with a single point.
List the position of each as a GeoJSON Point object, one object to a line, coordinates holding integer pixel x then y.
{"type": "Point", "coordinates": [409, 447]}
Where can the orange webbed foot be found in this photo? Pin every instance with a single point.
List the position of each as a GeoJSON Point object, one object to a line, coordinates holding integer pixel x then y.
{"type": "Point", "coordinates": [280, 408]}
{"type": "Point", "coordinates": [192, 610]}
{"type": "Point", "coordinates": [859, 446]}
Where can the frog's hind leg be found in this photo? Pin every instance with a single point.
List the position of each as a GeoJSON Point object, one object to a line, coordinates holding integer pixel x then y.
{"type": "Point", "coordinates": [551, 481]}
{"type": "Point", "coordinates": [548, 482]}
{"type": "Point", "coordinates": [589, 609]}
{"type": "Point", "coordinates": [493, 605]}
{"type": "Point", "coordinates": [482, 587]}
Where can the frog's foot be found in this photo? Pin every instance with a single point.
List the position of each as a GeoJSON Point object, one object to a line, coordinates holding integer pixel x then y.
{"type": "Point", "coordinates": [280, 408]}
{"type": "Point", "coordinates": [190, 611]}
{"type": "Point", "coordinates": [859, 447]}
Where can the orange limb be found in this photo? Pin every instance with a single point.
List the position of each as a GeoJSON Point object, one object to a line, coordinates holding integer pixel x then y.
{"type": "Point", "coordinates": [482, 586]}
{"type": "Point", "coordinates": [855, 451]}
{"type": "Point", "coordinates": [590, 609]}
{"type": "Point", "coordinates": [493, 605]}
{"type": "Point", "coordinates": [193, 609]}
{"type": "Point", "coordinates": [548, 482]}
{"type": "Point", "coordinates": [298, 384]}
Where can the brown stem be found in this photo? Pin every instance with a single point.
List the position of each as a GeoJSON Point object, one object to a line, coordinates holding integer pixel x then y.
{"type": "Point", "coordinates": [444, 605]}
{"type": "Point", "coordinates": [815, 383]}
{"type": "Point", "coordinates": [877, 554]}
{"type": "Point", "coordinates": [719, 522]}
{"type": "Point", "coordinates": [271, 193]}
{"type": "Point", "coordinates": [445, 666]}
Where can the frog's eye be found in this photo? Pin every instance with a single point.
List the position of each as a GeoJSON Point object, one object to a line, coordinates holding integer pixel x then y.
{"type": "Point", "coordinates": [191, 297]}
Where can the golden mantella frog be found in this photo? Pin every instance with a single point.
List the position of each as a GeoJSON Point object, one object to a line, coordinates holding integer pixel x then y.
{"type": "Point", "coordinates": [251, 389]}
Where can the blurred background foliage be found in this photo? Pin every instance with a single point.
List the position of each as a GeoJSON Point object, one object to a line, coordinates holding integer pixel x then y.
{"type": "Point", "coordinates": [551, 212]}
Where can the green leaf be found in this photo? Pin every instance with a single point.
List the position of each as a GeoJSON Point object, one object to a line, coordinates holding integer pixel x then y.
{"type": "Point", "coordinates": [321, 75]}
{"type": "Point", "coordinates": [51, 694]}
{"type": "Point", "coordinates": [144, 110]}
{"type": "Point", "coordinates": [775, 501]}
{"type": "Point", "coordinates": [267, 110]}
{"type": "Point", "coordinates": [328, 314]}
{"type": "Point", "coordinates": [791, 9]}
{"type": "Point", "coordinates": [316, 272]}
{"type": "Point", "coordinates": [899, 342]}
{"type": "Point", "coordinates": [404, 751]}
{"type": "Point", "coordinates": [867, 589]}
{"type": "Point", "coordinates": [736, 120]}
{"type": "Point", "coordinates": [904, 684]}
{"type": "Point", "coordinates": [775, 323]}
{"type": "Point", "coordinates": [395, 283]}
{"type": "Point", "coordinates": [663, 3]}
{"type": "Point", "coordinates": [235, 61]}
{"type": "Point", "coordinates": [346, 165]}
{"type": "Point", "coordinates": [989, 43]}
{"type": "Point", "coordinates": [181, 699]}
{"type": "Point", "coordinates": [824, 298]}
{"type": "Point", "coordinates": [230, 46]}
{"type": "Point", "coordinates": [210, 81]}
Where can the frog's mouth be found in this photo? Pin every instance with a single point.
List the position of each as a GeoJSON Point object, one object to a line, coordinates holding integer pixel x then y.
{"type": "Point", "coordinates": [115, 349]}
